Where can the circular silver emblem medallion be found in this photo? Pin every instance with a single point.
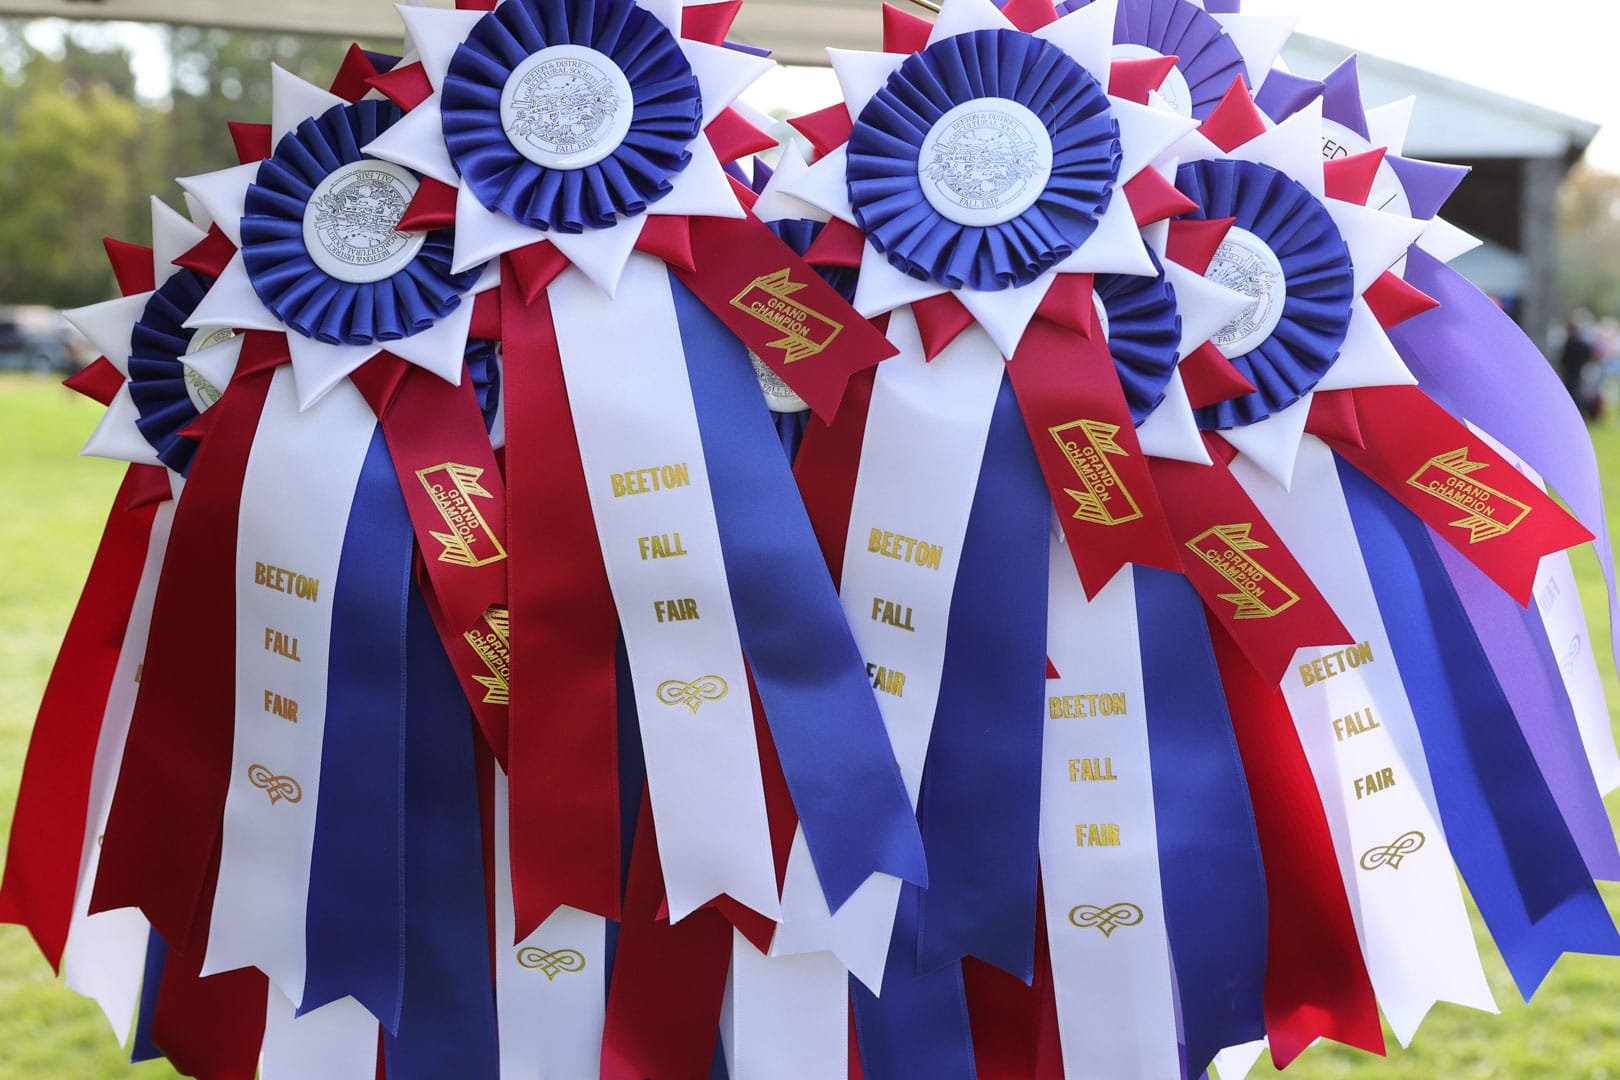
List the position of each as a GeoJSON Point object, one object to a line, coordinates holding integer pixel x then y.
{"type": "Point", "coordinates": [1174, 90]}
{"type": "Point", "coordinates": [985, 162]}
{"type": "Point", "coordinates": [566, 107]}
{"type": "Point", "coordinates": [1245, 264]}
{"type": "Point", "coordinates": [351, 225]}
{"type": "Point", "coordinates": [779, 396]}
{"type": "Point", "coordinates": [202, 392]}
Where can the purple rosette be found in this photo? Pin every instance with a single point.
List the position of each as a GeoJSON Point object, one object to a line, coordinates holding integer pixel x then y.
{"type": "Point", "coordinates": [567, 116]}
{"type": "Point", "coordinates": [1206, 57]}
{"type": "Point", "coordinates": [320, 239]}
{"type": "Point", "coordinates": [984, 161]}
{"type": "Point", "coordinates": [1284, 252]}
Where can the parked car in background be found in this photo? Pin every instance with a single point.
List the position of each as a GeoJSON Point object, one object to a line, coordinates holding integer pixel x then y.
{"type": "Point", "coordinates": [38, 338]}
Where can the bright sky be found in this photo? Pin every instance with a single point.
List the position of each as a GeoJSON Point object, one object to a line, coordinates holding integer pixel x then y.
{"type": "Point", "coordinates": [1556, 53]}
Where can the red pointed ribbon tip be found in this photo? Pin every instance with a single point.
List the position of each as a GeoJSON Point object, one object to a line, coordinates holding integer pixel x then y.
{"type": "Point", "coordinates": [1393, 300]}
{"type": "Point", "coordinates": [709, 23]}
{"type": "Point", "coordinates": [252, 141]}
{"type": "Point", "coordinates": [149, 485]}
{"type": "Point", "coordinates": [734, 138]}
{"type": "Point", "coordinates": [406, 86]}
{"type": "Point", "coordinates": [210, 254]}
{"type": "Point", "coordinates": [99, 381]}
{"type": "Point", "coordinates": [486, 316]}
{"type": "Point", "coordinates": [1030, 15]}
{"type": "Point", "coordinates": [940, 320]}
{"type": "Point", "coordinates": [536, 266]}
{"type": "Point", "coordinates": [131, 265]}
{"type": "Point", "coordinates": [350, 83]}
{"type": "Point", "coordinates": [904, 32]}
{"type": "Point", "coordinates": [1153, 198]}
{"type": "Point", "coordinates": [1333, 416]}
{"type": "Point", "coordinates": [433, 207]}
{"type": "Point", "coordinates": [1192, 242]}
{"type": "Point", "coordinates": [827, 129]}
{"type": "Point", "coordinates": [1351, 178]}
{"type": "Point", "coordinates": [1235, 120]}
{"type": "Point", "coordinates": [1069, 303]}
{"type": "Point", "coordinates": [1051, 669]}
{"type": "Point", "coordinates": [838, 244]}
{"type": "Point", "coordinates": [670, 239]}
{"type": "Point", "coordinates": [476, 5]}
{"type": "Point", "coordinates": [1210, 377]}
{"type": "Point", "coordinates": [1133, 79]}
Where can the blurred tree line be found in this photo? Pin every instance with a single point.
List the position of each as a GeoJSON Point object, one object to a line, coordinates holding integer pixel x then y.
{"type": "Point", "coordinates": [1589, 242]}
{"type": "Point", "coordinates": [81, 152]}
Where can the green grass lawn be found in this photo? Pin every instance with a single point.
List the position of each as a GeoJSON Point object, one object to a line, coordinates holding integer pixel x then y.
{"type": "Point", "coordinates": [54, 506]}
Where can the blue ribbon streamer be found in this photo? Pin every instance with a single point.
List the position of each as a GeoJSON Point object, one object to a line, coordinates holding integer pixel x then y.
{"type": "Point", "coordinates": [981, 793]}
{"type": "Point", "coordinates": [1209, 854]}
{"type": "Point", "coordinates": [1523, 869]}
{"type": "Point", "coordinates": [447, 1020]}
{"type": "Point", "coordinates": [885, 187]}
{"type": "Point", "coordinates": [919, 1027]}
{"type": "Point", "coordinates": [141, 1046]}
{"type": "Point", "coordinates": [1319, 282]}
{"type": "Point", "coordinates": [354, 928]}
{"type": "Point", "coordinates": [308, 299]}
{"type": "Point", "coordinates": [667, 114]}
{"type": "Point", "coordinates": [834, 749]}
{"type": "Point", "coordinates": [157, 377]}
{"type": "Point", "coordinates": [1206, 57]}
{"type": "Point", "coordinates": [1144, 334]}
{"type": "Point", "coordinates": [632, 782]}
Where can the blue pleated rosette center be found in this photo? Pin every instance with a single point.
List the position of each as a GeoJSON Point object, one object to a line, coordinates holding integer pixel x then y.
{"type": "Point", "coordinates": [567, 116]}
{"type": "Point", "coordinates": [984, 162]}
{"type": "Point", "coordinates": [169, 395]}
{"type": "Point", "coordinates": [320, 240]}
{"type": "Point", "coordinates": [1207, 60]}
{"type": "Point", "coordinates": [1286, 254]}
{"type": "Point", "coordinates": [1143, 329]}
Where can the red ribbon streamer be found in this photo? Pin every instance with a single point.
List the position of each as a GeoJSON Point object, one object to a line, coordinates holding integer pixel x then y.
{"type": "Point", "coordinates": [47, 833]}
{"type": "Point", "coordinates": [564, 735]}
{"type": "Point", "coordinates": [1249, 581]}
{"type": "Point", "coordinates": [669, 981]}
{"type": "Point", "coordinates": [1085, 442]}
{"type": "Point", "coordinates": [1316, 981]}
{"type": "Point", "coordinates": [779, 307]}
{"type": "Point", "coordinates": [829, 458]}
{"type": "Point", "coordinates": [456, 496]}
{"type": "Point", "coordinates": [163, 830]}
{"type": "Point", "coordinates": [1465, 491]}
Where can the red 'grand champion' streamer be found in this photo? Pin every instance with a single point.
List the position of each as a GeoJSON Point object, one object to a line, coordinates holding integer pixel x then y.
{"type": "Point", "coordinates": [47, 833]}
{"type": "Point", "coordinates": [163, 831]}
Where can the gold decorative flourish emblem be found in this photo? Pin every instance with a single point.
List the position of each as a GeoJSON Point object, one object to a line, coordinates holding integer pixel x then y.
{"type": "Point", "coordinates": [468, 540]}
{"type": "Point", "coordinates": [1487, 513]}
{"type": "Point", "coordinates": [1260, 594]}
{"type": "Point", "coordinates": [492, 641]}
{"type": "Point", "coordinates": [1106, 919]}
{"type": "Point", "coordinates": [692, 694]}
{"type": "Point", "coordinates": [1390, 855]}
{"type": "Point", "coordinates": [1088, 444]}
{"type": "Point", "coordinates": [277, 787]}
{"type": "Point", "coordinates": [805, 331]}
{"type": "Point", "coordinates": [551, 962]}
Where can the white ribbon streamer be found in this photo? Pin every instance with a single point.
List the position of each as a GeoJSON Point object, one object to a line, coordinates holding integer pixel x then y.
{"type": "Point", "coordinates": [925, 435]}
{"type": "Point", "coordinates": [550, 988]}
{"type": "Point", "coordinates": [338, 1041]}
{"type": "Point", "coordinates": [1110, 948]}
{"type": "Point", "coordinates": [649, 487]}
{"type": "Point", "coordinates": [785, 1017]}
{"type": "Point", "coordinates": [296, 494]}
{"type": "Point", "coordinates": [1355, 723]}
{"type": "Point", "coordinates": [105, 954]}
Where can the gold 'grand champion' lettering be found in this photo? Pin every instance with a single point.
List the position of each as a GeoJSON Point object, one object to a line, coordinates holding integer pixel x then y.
{"type": "Point", "coordinates": [279, 580]}
{"type": "Point", "coordinates": [469, 541]}
{"type": "Point", "coordinates": [1487, 513]}
{"type": "Point", "coordinates": [492, 641]}
{"type": "Point", "coordinates": [770, 298]}
{"type": "Point", "coordinates": [1335, 663]}
{"type": "Point", "coordinates": [905, 549]}
{"type": "Point", "coordinates": [1088, 444]}
{"type": "Point", "coordinates": [1079, 706]}
{"type": "Point", "coordinates": [1260, 594]}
